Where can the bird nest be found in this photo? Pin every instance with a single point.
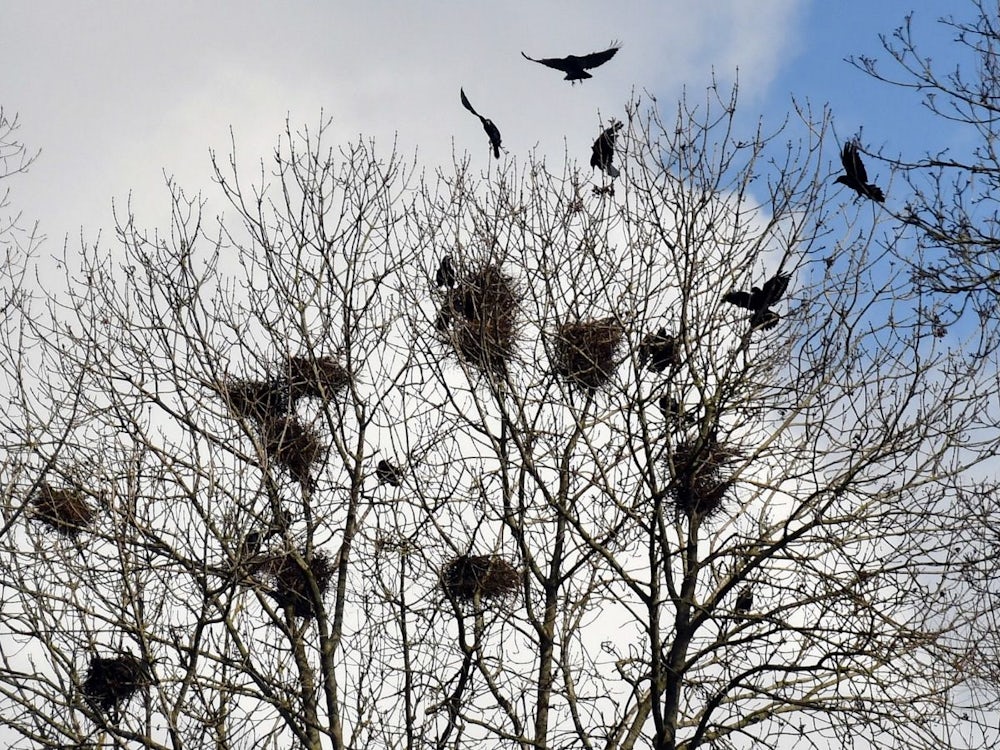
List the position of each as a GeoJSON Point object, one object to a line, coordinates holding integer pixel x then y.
{"type": "Point", "coordinates": [256, 400]}
{"type": "Point", "coordinates": [315, 377]}
{"type": "Point", "coordinates": [585, 353]}
{"type": "Point", "coordinates": [64, 510]}
{"type": "Point", "coordinates": [113, 680]}
{"type": "Point", "coordinates": [292, 584]}
{"type": "Point", "coordinates": [468, 577]}
{"type": "Point", "coordinates": [293, 446]}
{"type": "Point", "coordinates": [479, 317]}
{"type": "Point", "coordinates": [701, 481]}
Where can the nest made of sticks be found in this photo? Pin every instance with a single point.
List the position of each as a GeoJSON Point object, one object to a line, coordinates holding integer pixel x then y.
{"type": "Point", "coordinates": [65, 510]}
{"type": "Point", "coordinates": [701, 480]}
{"type": "Point", "coordinates": [290, 582]}
{"type": "Point", "coordinates": [257, 400]}
{"type": "Point", "coordinates": [479, 317]}
{"type": "Point", "coordinates": [468, 577]}
{"type": "Point", "coordinates": [315, 377]}
{"type": "Point", "coordinates": [293, 446]}
{"type": "Point", "coordinates": [113, 680]}
{"type": "Point", "coordinates": [585, 353]}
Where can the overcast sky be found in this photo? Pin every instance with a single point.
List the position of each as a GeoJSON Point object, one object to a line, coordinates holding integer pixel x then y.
{"type": "Point", "coordinates": [117, 94]}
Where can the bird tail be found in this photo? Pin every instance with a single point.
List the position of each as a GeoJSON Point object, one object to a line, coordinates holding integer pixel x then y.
{"type": "Point", "coordinates": [612, 171]}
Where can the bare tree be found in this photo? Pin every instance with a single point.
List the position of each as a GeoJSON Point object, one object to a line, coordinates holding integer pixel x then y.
{"type": "Point", "coordinates": [276, 484]}
{"type": "Point", "coordinates": [952, 202]}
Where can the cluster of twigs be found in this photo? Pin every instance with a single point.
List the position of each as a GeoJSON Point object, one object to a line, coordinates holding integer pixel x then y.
{"type": "Point", "coordinates": [65, 510]}
{"type": "Point", "coordinates": [111, 681]}
{"type": "Point", "coordinates": [585, 353]}
{"type": "Point", "coordinates": [700, 479]}
{"type": "Point", "coordinates": [291, 584]}
{"type": "Point", "coordinates": [470, 577]}
{"type": "Point", "coordinates": [479, 318]}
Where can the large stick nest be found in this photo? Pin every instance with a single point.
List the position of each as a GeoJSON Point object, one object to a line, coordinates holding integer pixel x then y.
{"type": "Point", "coordinates": [468, 577]}
{"type": "Point", "coordinates": [291, 582]}
{"type": "Point", "coordinates": [64, 510]}
{"type": "Point", "coordinates": [701, 480]}
{"type": "Point", "coordinates": [585, 353]}
{"type": "Point", "coordinates": [256, 400]}
{"type": "Point", "coordinates": [113, 680]}
{"type": "Point", "coordinates": [293, 446]}
{"type": "Point", "coordinates": [479, 317]}
{"type": "Point", "coordinates": [319, 377]}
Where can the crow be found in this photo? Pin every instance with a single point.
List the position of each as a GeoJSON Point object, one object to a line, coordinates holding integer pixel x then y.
{"type": "Point", "coordinates": [674, 414]}
{"type": "Point", "coordinates": [856, 178]}
{"type": "Point", "coordinates": [386, 473]}
{"type": "Point", "coordinates": [744, 602]}
{"type": "Point", "coordinates": [445, 275]}
{"type": "Point", "coordinates": [659, 349]}
{"type": "Point", "coordinates": [575, 67]}
{"type": "Point", "coordinates": [759, 300]}
{"type": "Point", "coordinates": [604, 150]}
{"type": "Point", "coordinates": [491, 130]}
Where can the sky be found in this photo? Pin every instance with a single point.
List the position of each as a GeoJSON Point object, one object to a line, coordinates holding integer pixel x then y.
{"type": "Point", "coordinates": [117, 95]}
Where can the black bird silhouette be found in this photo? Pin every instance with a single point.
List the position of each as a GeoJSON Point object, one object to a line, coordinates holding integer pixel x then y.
{"type": "Point", "coordinates": [759, 300]}
{"type": "Point", "coordinates": [855, 177]}
{"type": "Point", "coordinates": [445, 275]}
{"type": "Point", "coordinates": [575, 67]}
{"type": "Point", "coordinates": [659, 349]}
{"type": "Point", "coordinates": [744, 602]}
{"type": "Point", "coordinates": [674, 414]}
{"type": "Point", "coordinates": [388, 474]}
{"type": "Point", "coordinates": [603, 154]}
{"type": "Point", "coordinates": [491, 130]}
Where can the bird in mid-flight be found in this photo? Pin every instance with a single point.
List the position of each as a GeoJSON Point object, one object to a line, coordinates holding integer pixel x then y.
{"type": "Point", "coordinates": [491, 130]}
{"type": "Point", "coordinates": [603, 155]}
{"type": "Point", "coordinates": [576, 66]}
{"type": "Point", "coordinates": [445, 275]}
{"type": "Point", "coordinates": [759, 300]}
{"type": "Point", "coordinates": [855, 176]}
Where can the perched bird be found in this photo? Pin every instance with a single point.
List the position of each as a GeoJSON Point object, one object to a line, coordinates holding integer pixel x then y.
{"type": "Point", "coordinates": [445, 275]}
{"type": "Point", "coordinates": [576, 67]}
{"type": "Point", "coordinates": [386, 473]}
{"type": "Point", "coordinates": [674, 413]}
{"type": "Point", "coordinates": [759, 300]}
{"type": "Point", "coordinates": [856, 178]}
{"type": "Point", "coordinates": [744, 602]}
{"type": "Point", "coordinates": [604, 150]}
{"type": "Point", "coordinates": [659, 349]}
{"type": "Point", "coordinates": [491, 130]}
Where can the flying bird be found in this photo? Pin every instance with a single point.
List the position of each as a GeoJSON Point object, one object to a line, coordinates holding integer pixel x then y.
{"type": "Point", "coordinates": [759, 300]}
{"type": "Point", "coordinates": [491, 130]}
{"type": "Point", "coordinates": [659, 349]}
{"type": "Point", "coordinates": [855, 177]}
{"type": "Point", "coordinates": [576, 67]}
{"type": "Point", "coordinates": [604, 150]}
{"type": "Point", "coordinates": [445, 275]}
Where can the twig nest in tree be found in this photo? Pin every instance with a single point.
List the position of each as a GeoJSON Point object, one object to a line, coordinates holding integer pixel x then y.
{"type": "Point", "coordinates": [484, 576]}
{"type": "Point", "coordinates": [61, 509]}
{"type": "Point", "coordinates": [319, 377]}
{"type": "Point", "coordinates": [256, 400]}
{"type": "Point", "coordinates": [585, 353]}
{"type": "Point", "coordinates": [113, 680]}
{"type": "Point", "coordinates": [291, 582]}
{"type": "Point", "coordinates": [700, 480]}
{"type": "Point", "coordinates": [293, 446]}
{"type": "Point", "coordinates": [479, 317]}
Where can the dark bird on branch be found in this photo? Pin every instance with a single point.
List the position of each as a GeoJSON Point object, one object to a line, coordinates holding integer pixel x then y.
{"type": "Point", "coordinates": [855, 177]}
{"type": "Point", "coordinates": [445, 275]}
{"type": "Point", "coordinates": [603, 150]}
{"type": "Point", "coordinates": [576, 67]}
{"type": "Point", "coordinates": [659, 349]}
{"type": "Point", "coordinates": [674, 413]}
{"type": "Point", "coordinates": [759, 300]}
{"type": "Point", "coordinates": [386, 473]}
{"type": "Point", "coordinates": [744, 602]}
{"type": "Point", "coordinates": [491, 130]}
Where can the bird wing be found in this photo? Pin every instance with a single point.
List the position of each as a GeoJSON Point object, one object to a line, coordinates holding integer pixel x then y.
{"type": "Point", "coordinates": [740, 299]}
{"type": "Point", "coordinates": [853, 165]}
{"type": "Point", "coordinates": [598, 58]}
{"type": "Point", "coordinates": [774, 288]}
{"type": "Point", "coordinates": [466, 104]}
{"type": "Point", "coordinates": [559, 63]}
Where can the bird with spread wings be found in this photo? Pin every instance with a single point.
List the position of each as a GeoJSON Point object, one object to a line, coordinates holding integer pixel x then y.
{"type": "Point", "coordinates": [576, 66]}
